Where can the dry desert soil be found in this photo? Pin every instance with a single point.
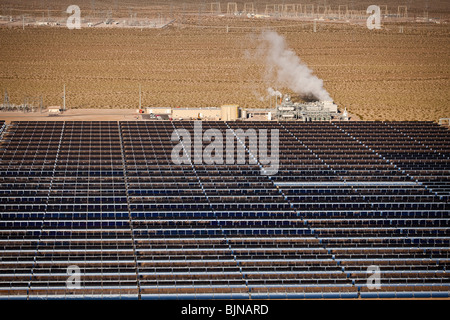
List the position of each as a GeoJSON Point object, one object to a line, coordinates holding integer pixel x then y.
{"type": "Point", "coordinates": [375, 74]}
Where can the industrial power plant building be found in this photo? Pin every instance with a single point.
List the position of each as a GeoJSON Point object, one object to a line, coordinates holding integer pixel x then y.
{"type": "Point", "coordinates": [308, 111]}
{"type": "Point", "coordinates": [287, 110]}
{"type": "Point", "coordinates": [225, 113]}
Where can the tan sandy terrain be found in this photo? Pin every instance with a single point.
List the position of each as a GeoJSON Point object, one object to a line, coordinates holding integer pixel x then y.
{"type": "Point", "coordinates": [123, 8]}
{"type": "Point", "coordinates": [377, 75]}
{"type": "Point", "coordinates": [74, 115]}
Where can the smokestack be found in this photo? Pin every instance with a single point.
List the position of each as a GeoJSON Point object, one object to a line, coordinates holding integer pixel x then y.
{"type": "Point", "coordinates": [276, 94]}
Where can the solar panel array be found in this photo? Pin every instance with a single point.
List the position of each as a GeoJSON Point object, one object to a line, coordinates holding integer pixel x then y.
{"type": "Point", "coordinates": [107, 199]}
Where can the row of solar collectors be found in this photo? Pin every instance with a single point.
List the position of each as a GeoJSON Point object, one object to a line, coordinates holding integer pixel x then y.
{"type": "Point", "coordinates": [408, 200]}
{"type": "Point", "coordinates": [322, 139]}
{"type": "Point", "coordinates": [96, 151]}
{"type": "Point", "coordinates": [274, 289]}
{"type": "Point", "coordinates": [435, 137]}
{"type": "Point", "coordinates": [97, 238]}
{"type": "Point", "coordinates": [181, 247]}
{"type": "Point", "coordinates": [344, 156]}
{"type": "Point", "coordinates": [408, 194]}
{"type": "Point", "coordinates": [420, 150]}
{"type": "Point", "coordinates": [432, 170]}
{"type": "Point", "coordinates": [403, 153]}
{"type": "Point", "coordinates": [32, 152]}
{"type": "Point", "coordinates": [388, 175]}
{"type": "Point", "coordinates": [239, 189]}
{"type": "Point", "coordinates": [62, 188]}
{"type": "Point", "coordinates": [235, 206]}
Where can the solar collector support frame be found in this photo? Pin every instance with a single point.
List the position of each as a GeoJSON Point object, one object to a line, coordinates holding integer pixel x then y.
{"type": "Point", "coordinates": [230, 223]}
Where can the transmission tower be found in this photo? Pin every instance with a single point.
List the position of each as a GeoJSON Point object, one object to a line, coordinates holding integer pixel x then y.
{"type": "Point", "coordinates": [232, 8]}
{"type": "Point", "coordinates": [215, 8]}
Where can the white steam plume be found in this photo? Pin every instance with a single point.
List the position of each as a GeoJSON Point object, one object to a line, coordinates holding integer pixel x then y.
{"type": "Point", "coordinates": [274, 93]}
{"type": "Point", "coordinates": [289, 69]}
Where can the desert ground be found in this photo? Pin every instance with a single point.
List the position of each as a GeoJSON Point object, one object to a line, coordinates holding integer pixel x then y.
{"type": "Point", "coordinates": [123, 8]}
{"type": "Point", "coordinates": [211, 60]}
